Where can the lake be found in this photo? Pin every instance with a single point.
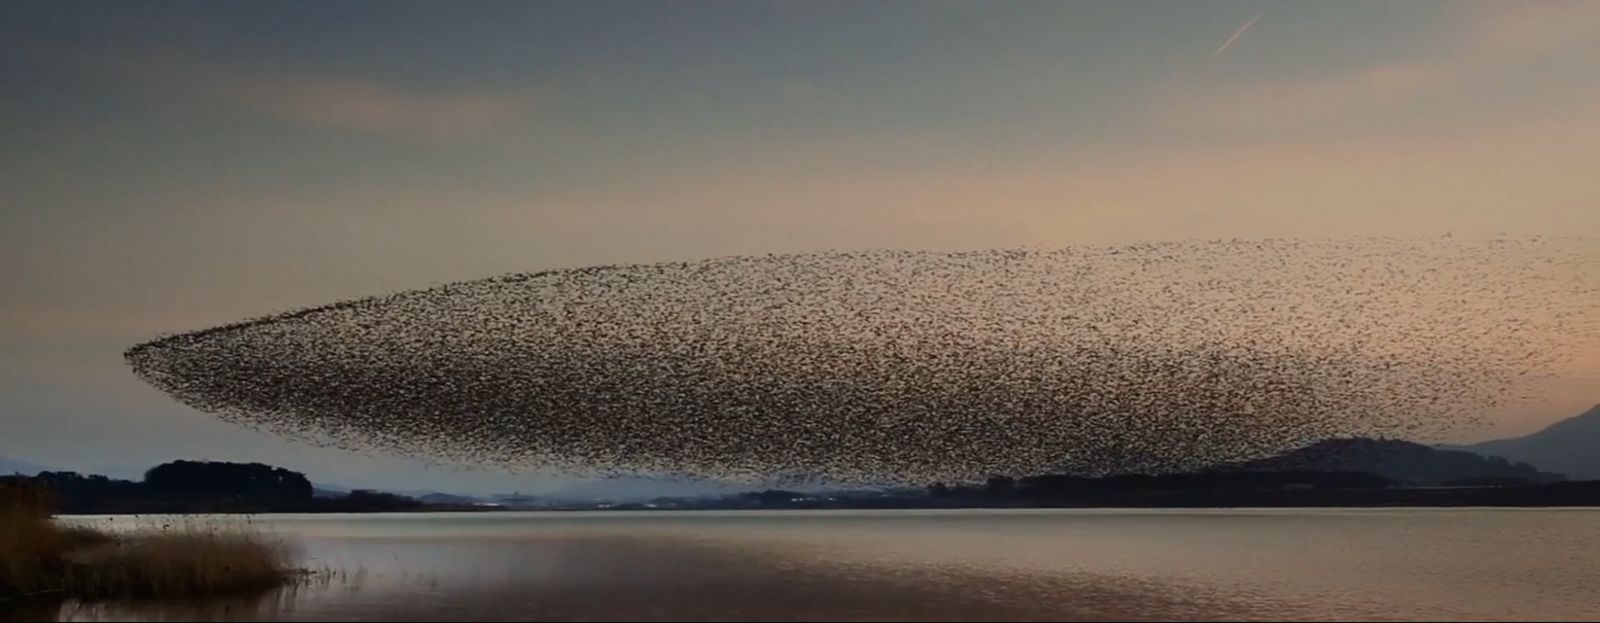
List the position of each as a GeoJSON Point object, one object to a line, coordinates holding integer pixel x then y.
{"type": "Point", "coordinates": [1364, 564]}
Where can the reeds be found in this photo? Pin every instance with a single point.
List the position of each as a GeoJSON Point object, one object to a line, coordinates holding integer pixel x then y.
{"type": "Point", "coordinates": [39, 555]}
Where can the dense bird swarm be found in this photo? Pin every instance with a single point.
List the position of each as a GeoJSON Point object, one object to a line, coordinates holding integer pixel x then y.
{"type": "Point", "coordinates": [914, 366]}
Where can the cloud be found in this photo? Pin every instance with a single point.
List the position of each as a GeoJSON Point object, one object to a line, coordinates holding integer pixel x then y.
{"type": "Point", "coordinates": [370, 107]}
{"type": "Point", "coordinates": [1318, 99]}
{"type": "Point", "coordinates": [320, 100]}
{"type": "Point", "coordinates": [1518, 28]}
{"type": "Point", "coordinates": [1476, 43]}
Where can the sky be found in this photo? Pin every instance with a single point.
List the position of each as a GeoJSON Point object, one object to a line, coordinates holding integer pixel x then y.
{"type": "Point", "coordinates": [170, 166]}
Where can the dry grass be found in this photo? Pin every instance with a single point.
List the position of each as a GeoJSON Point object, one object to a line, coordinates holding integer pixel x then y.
{"type": "Point", "coordinates": [176, 564]}
{"type": "Point", "coordinates": [30, 544]}
{"type": "Point", "coordinates": [40, 556]}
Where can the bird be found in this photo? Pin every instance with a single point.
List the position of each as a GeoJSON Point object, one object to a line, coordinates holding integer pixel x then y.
{"type": "Point", "coordinates": [910, 366]}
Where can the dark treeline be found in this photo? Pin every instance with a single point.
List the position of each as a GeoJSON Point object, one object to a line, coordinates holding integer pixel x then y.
{"type": "Point", "coordinates": [207, 487]}
{"type": "Point", "coordinates": [1212, 488]}
{"type": "Point", "coordinates": [210, 487]}
{"type": "Point", "coordinates": [1285, 488]}
{"type": "Point", "coordinates": [1207, 489]}
{"type": "Point", "coordinates": [252, 480]}
{"type": "Point", "coordinates": [1054, 486]}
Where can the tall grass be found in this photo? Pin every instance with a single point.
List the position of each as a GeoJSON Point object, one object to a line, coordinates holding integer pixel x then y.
{"type": "Point", "coordinates": [39, 555]}
{"type": "Point", "coordinates": [31, 545]}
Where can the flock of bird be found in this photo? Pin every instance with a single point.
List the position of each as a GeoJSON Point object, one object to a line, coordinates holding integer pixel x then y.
{"type": "Point", "coordinates": [914, 366]}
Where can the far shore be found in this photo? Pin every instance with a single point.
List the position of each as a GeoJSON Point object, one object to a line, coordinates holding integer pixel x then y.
{"type": "Point", "coordinates": [1551, 495]}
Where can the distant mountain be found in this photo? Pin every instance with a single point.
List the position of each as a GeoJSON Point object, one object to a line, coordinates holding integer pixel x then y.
{"type": "Point", "coordinates": [446, 498]}
{"type": "Point", "coordinates": [324, 490]}
{"type": "Point", "coordinates": [1571, 446]}
{"type": "Point", "coordinates": [638, 488]}
{"type": "Point", "coordinates": [1400, 461]}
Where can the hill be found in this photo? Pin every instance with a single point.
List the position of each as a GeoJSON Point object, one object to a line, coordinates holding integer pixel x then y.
{"type": "Point", "coordinates": [1400, 461]}
{"type": "Point", "coordinates": [632, 488]}
{"type": "Point", "coordinates": [447, 498]}
{"type": "Point", "coordinates": [1571, 446]}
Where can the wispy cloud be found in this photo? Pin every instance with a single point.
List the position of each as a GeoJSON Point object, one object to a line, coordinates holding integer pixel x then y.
{"type": "Point", "coordinates": [1236, 34]}
{"type": "Point", "coordinates": [322, 100]}
{"type": "Point", "coordinates": [368, 106]}
{"type": "Point", "coordinates": [1519, 28]}
{"type": "Point", "coordinates": [1478, 43]}
{"type": "Point", "coordinates": [1282, 103]}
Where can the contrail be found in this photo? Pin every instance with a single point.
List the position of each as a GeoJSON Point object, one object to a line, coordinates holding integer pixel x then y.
{"type": "Point", "coordinates": [1236, 34]}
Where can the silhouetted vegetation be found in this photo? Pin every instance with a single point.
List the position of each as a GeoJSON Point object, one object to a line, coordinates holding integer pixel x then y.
{"type": "Point", "coordinates": [361, 500]}
{"type": "Point", "coordinates": [1284, 488]}
{"type": "Point", "coordinates": [40, 556]}
{"type": "Point", "coordinates": [252, 480]}
{"type": "Point", "coordinates": [182, 487]}
{"type": "Point", "coordinates": [1146, 489]}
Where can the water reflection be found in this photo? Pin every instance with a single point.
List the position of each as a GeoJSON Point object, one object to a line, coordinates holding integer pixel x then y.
{"type": "Point", "coordinates": [670, 578]}
{"type": "Point", "coordinates": [989, 567]}
{"type": "Point", "coordinates": [265, 607]}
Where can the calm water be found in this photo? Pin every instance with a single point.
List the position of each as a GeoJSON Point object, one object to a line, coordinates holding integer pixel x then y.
{"type": "Point", "coordinates": [921, 565]}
